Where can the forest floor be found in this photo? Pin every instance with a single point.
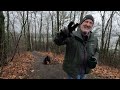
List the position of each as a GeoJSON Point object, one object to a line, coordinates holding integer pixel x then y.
{"type": "Point", "coordinates": [28, 65]}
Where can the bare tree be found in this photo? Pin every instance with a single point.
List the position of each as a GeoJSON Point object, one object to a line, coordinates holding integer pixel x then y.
{"type": "Point", "coordinates": [22, 30]}
{"type": "Point", "coordinates": [117, 43]}
{"type": "Point", "coordinates": [58, 20]}
{"type": "Point", "coordinates": [35, 13]}
{"type": "Point", "coordinates": [47, 28]}
{"type": "Point", "coordinates": [2, 40]}
{"type": "Point", "coordinates": [106, 27]}
{"type": "Point", "coordinates": [74, 15]}
{"type": "Point", "coordinates": [28, 33]}
{"type": "Point", "coordinates": [8, 33]}
{"type": "Point", "coordinates": [40, 29]}
{"type": "Point", "coordinates": [12, 33]}
{"type": "Point", "coordinates": [70, 16]}
{"type": "Point", "coordinates": [81, 15]}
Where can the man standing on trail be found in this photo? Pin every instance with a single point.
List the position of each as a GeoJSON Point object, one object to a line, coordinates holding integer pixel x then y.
{"type": "Point", "coordinates": [81, 48]}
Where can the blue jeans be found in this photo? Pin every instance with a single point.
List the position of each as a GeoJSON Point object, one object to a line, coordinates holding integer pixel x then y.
{"type": "Point", "coordinates": [78, 76]}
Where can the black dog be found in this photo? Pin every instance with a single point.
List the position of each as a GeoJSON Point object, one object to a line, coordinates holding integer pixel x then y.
{"type": "Point", "coordinates": [47, 60]}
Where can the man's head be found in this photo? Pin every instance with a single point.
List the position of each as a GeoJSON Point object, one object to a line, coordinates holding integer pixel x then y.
{"type": "Point", "coordinates": [86, 24]}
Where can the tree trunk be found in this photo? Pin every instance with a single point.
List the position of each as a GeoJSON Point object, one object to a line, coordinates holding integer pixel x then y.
{"type": "Point", "coordinates": [74, 15]}
{"type": "Point", "coordinates": [28, 34]}
{"type": "Point", "coordinates": [58, 20]}
{"type": "Point", "coordinates": [35, 29]}
{"type": "Point", "coordinates": [40, 46]}
{"type": "Point", "coordinates": [24, 30]}
{"type": "Point", "coordinates": [70, 16]}
{"type": "Point", "coordinates": [58, 28]}
{"type": "Point", "coordinates": [51, 15]}
{"type": "Point", "coordinates": [81, 16]}
{"type": "Point", "coordinates": [8, 33]}
{"type": "Point", "coordinates": [2, 40]}
{"type": "Point", "coordinates": [47, 41]}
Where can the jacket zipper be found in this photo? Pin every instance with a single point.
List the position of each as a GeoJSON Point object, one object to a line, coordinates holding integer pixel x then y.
{"type": "Point", "coordinates": [83, 67]}
{"type": "Point", "coordinates": [85, 57]}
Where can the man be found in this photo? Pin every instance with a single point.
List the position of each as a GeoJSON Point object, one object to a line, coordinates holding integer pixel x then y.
{"type": "Point", "coordinates": [81, 48]}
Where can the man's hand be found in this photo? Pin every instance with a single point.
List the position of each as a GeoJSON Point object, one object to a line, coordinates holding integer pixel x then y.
{"type": "Point", "coordinates": [67, 31]}
{"type": "Point", "coordinates": [92, 63]}
{"type": "Point", "coordinates": [72, 26]}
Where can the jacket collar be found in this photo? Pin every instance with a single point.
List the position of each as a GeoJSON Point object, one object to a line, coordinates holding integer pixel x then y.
{"type": "Point", "coordinates": [79, 35]}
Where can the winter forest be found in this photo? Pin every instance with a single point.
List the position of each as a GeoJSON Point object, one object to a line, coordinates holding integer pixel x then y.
{"type": "Point", "coordinates": [26, 37]}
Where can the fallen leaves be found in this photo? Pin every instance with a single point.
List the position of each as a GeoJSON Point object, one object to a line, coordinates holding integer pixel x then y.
{"type": "Point", "coordinates": [18, 68]}
{"type": "Point", "coordinates": [106, 72]}
{"type": "Point", "coordinates": [21, 64]}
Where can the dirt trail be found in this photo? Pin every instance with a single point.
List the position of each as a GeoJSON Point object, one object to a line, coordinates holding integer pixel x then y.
{"type": "Point", "coordinates": [53, 71]}
{"type": "Point", "coordinates": [41, 71]}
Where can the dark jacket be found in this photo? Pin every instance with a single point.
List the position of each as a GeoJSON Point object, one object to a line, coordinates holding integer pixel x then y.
{"type": "Point", "coordinates": [77, 52]}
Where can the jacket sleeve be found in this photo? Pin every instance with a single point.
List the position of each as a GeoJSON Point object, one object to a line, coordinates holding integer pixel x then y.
{"type": "Point", "coordinates": [59, 39]}
{"type": "Point", "coordinates": [96, 55]}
